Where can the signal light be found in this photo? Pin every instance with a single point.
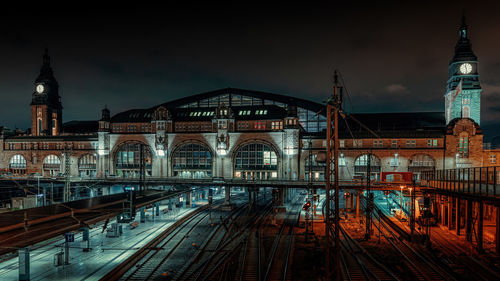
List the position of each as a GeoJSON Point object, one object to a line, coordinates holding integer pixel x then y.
{"type": "Point", "coordinates": [306, 206]}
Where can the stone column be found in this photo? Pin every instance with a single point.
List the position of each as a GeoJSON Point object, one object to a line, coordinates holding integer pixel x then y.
{"type": "Point", "coordinates": [468, 220]}
{"type": "Point", "coordinates": [227, 200]}
{"type": "Point", "coordinates": [457, 215]}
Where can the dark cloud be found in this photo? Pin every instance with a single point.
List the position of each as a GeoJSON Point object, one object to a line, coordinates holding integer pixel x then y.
{"type": "Point", "coordinates": [393, 55]}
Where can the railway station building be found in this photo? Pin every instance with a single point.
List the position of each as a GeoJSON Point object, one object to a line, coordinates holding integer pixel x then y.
{"type": "Point", "coordinates": [236, 133]}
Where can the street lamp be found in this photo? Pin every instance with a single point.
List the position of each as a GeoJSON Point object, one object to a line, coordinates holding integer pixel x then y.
{"type": "Point", "coordinates": [38, 189]}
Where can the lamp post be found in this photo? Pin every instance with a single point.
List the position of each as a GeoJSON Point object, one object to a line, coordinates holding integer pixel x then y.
{"type": "Point", "coordinates": [38, 189]}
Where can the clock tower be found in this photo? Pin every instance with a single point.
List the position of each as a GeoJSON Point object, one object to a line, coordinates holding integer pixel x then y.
{"type": "Point", "coordinates": [46, 107]}
{"type": "Point", "coordinates": [463, 90]}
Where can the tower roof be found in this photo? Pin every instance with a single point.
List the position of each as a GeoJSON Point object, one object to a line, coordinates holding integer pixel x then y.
{"type": "Point", "coordinates": [46, 72]}
{"type": "Point", "coordinates": [463, 48]}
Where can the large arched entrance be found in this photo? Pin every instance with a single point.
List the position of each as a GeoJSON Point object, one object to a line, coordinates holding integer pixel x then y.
{"type": "Point", "coordinates": [255, 161]}
{"type": "Point", "coordinates": [420, 163]}
{"type": "Point", "coordinates": [17, 165]}
{"type": "Point", "coordinates": [51, 165]}
{"type": "Point", "coordinates": [131, 158]}
{"type": "Point", "coordinates": [87, 165]}
{"type": "Point", "coordinates": [361, 166]}
{"type": "Point", "coordinates": [192, 160]}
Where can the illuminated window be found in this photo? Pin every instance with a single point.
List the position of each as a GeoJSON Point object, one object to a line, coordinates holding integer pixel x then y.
{"type": "Point", "coordinates": [463, 146]}
{"type": "Point", "coordinates": [394, 161]}
{"type": "Point", "coordinates": [431, 143]}
{"type": "Point", "coordinates": [222, 124]}
{"type": "Point", "coordinates": [357, 143]}
{"type": "Point", "coordinates": [341, 160]}
{"type": "Point", "coordinates": [192, 161]}
{"type": "Point", "coordinates": [17, 162]}
{"type": "Point", "coordinates": [256, 160]}
{"type": "Point", "coordinates": [342, 143]}
{"type": "Point", "coordinates": [87, 165]}
{"type": "Point", "coordinates": [394, 143]}
{"type": "Point", "coordinates": [410, 143]}
{"type": "Point", "coordinates": [128, 160]}
{"type": "Point", "coordinates": [493, 159]}
{"type": "Point", "coordinates": [377, 143]}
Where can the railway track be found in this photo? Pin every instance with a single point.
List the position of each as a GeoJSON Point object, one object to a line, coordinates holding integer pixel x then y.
{"type": "Point", "coordinates": [190, 241]}
{"type": "Point", "coordinates": [149, 257]}
{"type": "Point", "coordinates": [420, 266]}
{"type": "Point", "coordinates": [218, 262]}
{"type": "Point", "coordinates": [460, 261]}
{"type": "Point", "coordinates": [279, 260]}
{"type": "Point", "coordinates": [455, 258]}
{"type": "Point", "coordinates": [358, 264]}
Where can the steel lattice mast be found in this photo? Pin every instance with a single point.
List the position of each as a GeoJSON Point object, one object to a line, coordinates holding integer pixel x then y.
{"type": "Point", "coordinates": [332, 151]}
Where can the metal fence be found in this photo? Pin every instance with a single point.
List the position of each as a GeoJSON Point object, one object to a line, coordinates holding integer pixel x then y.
{"type": "Point", "coordinates": [479, 180]}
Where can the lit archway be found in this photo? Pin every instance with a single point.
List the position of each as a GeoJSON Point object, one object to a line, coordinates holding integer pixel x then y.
{"type": "Point", "coordinates": [255, 161]}
{"type": "Point", "coordinates": [51, 165]}
{"type": "Point", "coordinates": [131, 158]}
{"type": "Point", "coordinates": [361, 166]}
{"type": "Point", "coordinates": [420, 163]}
{"type": "Point", "coordinates": [17, 164]}
{"type": "Point", "coordinates": [87, 165]}
{"type": "Point", "coordinates": [192, 160]}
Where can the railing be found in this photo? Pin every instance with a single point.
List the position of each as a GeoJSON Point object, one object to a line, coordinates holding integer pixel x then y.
{"type": "Point", "coordinates": [479, 180]}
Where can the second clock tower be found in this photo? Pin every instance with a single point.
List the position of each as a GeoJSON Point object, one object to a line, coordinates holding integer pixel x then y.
{"type": "Point", "coordinates": [463, 90]}
{"type": "Point", "coordinates": [46, 107]}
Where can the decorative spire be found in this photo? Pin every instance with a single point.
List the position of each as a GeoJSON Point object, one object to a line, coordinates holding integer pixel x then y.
{"type": "Point", "coordinates": [46, 57]}
{"type": "Point", "coordinates": [46, 72]}
{"type": "Point", "coordinates": [463, 29]}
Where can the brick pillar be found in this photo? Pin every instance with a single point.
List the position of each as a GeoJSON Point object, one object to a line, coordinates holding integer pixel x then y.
{"type": "Point", "coordinates": [357, 204]}
{"type": "Point", "coordinates": [480, 227]}
{"type": "Point", "coordinates": [497, 236]}
{"type": "Point", "coordinates": [468, 222]}
{"type": "Point", "coordinates": [457, 215]}
{"type": "Point", "coordinates": [450, 212]}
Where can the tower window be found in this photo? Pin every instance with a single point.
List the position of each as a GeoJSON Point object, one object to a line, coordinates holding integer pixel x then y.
{"type": "Point", "coordinates": [39, 126]}
{"type": "Point", "coordinates": [493, 159]}
{"type": "Point", "coordinates": [463, 146]}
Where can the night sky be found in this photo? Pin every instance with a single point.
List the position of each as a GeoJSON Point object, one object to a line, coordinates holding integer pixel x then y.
{"type": "Point", "coordinates": [393, 58]}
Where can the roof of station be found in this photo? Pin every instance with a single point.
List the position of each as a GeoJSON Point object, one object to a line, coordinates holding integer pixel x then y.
{"type": "Point", "coordinates": [256, 105]}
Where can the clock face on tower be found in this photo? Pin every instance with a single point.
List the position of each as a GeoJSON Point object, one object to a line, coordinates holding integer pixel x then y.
{"type": "Point", "coordinates": [39, 88]}
{"type": "Point", "coordinates": [465, 68]}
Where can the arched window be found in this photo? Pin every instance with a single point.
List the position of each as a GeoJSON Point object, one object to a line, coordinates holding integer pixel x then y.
{"type": "Point", "coordinates": [17, 164]}
{"type": "Point", "coordinates": [192, 160]}
{"type": "Point", "coordinates": [361, 166]}
{"type": "Point", "coordinates": [466, 112]}
{"type": "Point", "coordinates": [256, 161]}
{"type": "Point", "coordinates": [87, 165]}
{"type": "Point", "coordinates": [51, 165]}
{"type": "Point", "coordinates": [130, 157]}
{"type": "Point", "coordinates": [421, 163]}
{"type": "Point", "coordinates": [52, 160]}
